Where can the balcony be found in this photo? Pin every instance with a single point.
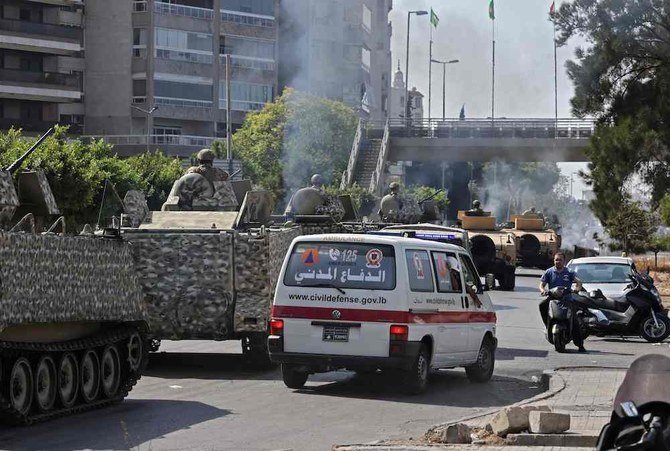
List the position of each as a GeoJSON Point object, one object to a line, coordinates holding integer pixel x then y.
{"type": "Point", "coordinates": [36, 126]}
{"type": "Point", "coordinates": [183, 10]}
{"type": "Point", "coordinates": [48, 78]}
{"type": "Point", "coordinates": [40, 37]}
{"type": "Point", "coordinates": [253, 20]}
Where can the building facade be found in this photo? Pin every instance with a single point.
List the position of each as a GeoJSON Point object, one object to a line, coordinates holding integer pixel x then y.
{"type": "Point", "coordinates": [398, 106]}
{"type": "Point", "coordinates": [41, 64]}
{"type": "Point", "coordinates": [156, 69]}
{"type": "Point", "coordinates": [338, 49]}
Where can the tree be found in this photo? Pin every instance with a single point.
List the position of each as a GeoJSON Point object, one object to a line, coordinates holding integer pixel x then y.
{"type": "Point", "coordinates": [292, 138]}
{"type": "Point", "coordinates": [664, 210]}
{"type": "Point", "coordinates": [631, 228]}
{"type": "Point", "coordinates": [77, 172]}
{"type": "Point", "coordinates": [622, 78]}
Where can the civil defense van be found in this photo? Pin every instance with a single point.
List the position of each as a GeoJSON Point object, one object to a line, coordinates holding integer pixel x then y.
{"type": "Point", "coordinates": [369, 302]}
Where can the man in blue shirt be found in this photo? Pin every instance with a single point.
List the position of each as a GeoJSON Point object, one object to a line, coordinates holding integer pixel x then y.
{"type": "Point", "coordinates": [560, 276]}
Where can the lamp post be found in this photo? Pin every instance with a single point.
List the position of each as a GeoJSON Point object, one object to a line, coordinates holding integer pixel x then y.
{"type": "Point", "coordinates": [444, 81]}
{"type": "Point", "coordinates": [409, 14]}
{"type": "Point", "coordinates": [148, 112]}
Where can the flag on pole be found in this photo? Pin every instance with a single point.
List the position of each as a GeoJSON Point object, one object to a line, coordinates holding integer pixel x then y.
{"type": "Point", "coordinates": [552, 8]}
{"type": "Point", "coordinates": [492, 15]}
{"type": "Point", "coordinates": [434, 20]}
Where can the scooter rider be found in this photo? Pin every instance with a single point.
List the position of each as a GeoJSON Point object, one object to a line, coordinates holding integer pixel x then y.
{"type": "Point", "coordinates": [560, 276]}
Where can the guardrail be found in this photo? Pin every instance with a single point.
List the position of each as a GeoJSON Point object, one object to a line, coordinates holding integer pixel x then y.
{"type": "Point", "coordinates": [177, 9]}
{"type": "Point", "coordinates": [377, 175]}
{"type": "Point", "coordinates": [348, 175]}
{"type": "Point", "coordinates": [51, 30]}
{"type": "Point", "coordinates": [487, 128]}
{"type": "Point", "coordinates": [176, 140]}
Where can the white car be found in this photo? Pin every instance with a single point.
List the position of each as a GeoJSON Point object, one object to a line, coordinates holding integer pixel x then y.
{"type": "Point", "coordinates": [608, 274]}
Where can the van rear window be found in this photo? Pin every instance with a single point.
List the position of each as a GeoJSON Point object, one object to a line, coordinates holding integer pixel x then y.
{"type": "Point", "coordinates": [343, 265]}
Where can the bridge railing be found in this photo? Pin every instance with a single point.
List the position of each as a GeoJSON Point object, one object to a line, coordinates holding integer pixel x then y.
{"type": "Point", "coordinates": [378, 175]}
{"type": "Point", "coordinates": [348, 175]}
{"type": "Point", "coordinates": [568, 128]}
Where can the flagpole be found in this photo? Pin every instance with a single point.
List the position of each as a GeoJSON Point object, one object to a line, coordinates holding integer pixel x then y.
{"type": "Point", "coordinates": [493, 69]}
{"type": "Point", "coordinates": [430, 69]}
{"type": "Point", "coordinates": [555, 82]}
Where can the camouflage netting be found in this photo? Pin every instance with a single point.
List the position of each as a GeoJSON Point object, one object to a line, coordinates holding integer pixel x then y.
{"type": "Point", "coordinates": [8, 197]}
{"type": "Point", "coordinates": [187, 283]}
{"type": "Point", "coordinates": [49, 278]}
{"type": "Point", "coordinates": [258, 261]}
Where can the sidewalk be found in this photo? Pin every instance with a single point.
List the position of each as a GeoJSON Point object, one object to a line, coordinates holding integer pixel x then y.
{"type": "Point", "coordinates": [584, 393]}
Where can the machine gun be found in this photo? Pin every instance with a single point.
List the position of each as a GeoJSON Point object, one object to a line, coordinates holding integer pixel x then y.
{"type": "Point", "coordinates": [12, 168]}
{"type": "Point", "coordinates": [426, 199]}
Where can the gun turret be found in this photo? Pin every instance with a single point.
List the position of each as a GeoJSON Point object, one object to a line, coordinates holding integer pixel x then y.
{"type": "Point", "coordinates": [12, 168]}
{"type": "Point", "coordinates": [426, 199]}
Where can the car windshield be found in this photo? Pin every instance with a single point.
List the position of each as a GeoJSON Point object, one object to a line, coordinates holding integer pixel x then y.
{"type": "Point", "coordinates": [602, 272]}
{"type": "Point", "coordinates": [341, 265]}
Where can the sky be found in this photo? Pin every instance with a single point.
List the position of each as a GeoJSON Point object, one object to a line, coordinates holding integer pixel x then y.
{"type": "Point", "coordinates": [524, 81]}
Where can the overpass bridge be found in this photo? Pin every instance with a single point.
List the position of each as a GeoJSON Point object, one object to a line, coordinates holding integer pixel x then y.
{"type": "Point", "coordinates": [453, 140]}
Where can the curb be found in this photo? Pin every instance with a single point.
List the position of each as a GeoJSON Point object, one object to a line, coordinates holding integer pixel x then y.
{"type": "Point", "coordinates": [562, 440]}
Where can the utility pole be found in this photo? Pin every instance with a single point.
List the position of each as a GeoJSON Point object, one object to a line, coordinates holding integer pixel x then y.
{"type": "Point", "coordinates": [229, 124]}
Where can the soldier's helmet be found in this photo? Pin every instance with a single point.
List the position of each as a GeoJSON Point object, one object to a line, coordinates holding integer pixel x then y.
{"type": "Point", "coordinates": [206, 155]}
{"type": "Point", "coordinates": [532, 209]}
{"type": "Point", "coordinates": [476, 204]}
{"type": "Point", "coordinates": [394, 187]}
{"type": "Point", "coordinates": [317, 180]}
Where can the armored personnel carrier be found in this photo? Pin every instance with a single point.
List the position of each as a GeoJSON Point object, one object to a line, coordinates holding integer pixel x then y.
{"type": "Point", "coordinates": [208, 262]}
{"type": "Point", "coordinates": [72, 322]}
{"type": "Point", "coordinates": [493, 250]}
{"type": "Point", "coordinates": [537, 243]}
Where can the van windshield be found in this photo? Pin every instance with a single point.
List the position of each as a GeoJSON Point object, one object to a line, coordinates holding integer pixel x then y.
{"type": "Point", "coordinates": [342, 265]}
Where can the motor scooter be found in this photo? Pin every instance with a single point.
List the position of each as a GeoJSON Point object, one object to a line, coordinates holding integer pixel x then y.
{"type": "Point", "coordinates": [641, 412]}
{"type": "Point", "coordinates": [639, 312]}
{"type": "Point", "coordinates": [557, 314]}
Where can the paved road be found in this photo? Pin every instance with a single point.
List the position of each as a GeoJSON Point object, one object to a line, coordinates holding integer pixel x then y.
{"type": "Point", "coordinates": [199, 395]}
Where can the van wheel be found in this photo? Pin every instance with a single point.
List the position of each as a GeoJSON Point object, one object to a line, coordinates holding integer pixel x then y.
{"type": "Point", "coordinates": [415, 379]}
{"type": "Point", "coordinates": [483, 369]}
{"type": "Point", "coordinates": [293, 378]}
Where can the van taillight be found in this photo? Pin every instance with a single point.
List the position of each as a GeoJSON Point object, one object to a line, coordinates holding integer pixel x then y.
{"type": "Point", "coordinates": [399, 333]}
{"type": "Point", "coordinates": [276, 326]}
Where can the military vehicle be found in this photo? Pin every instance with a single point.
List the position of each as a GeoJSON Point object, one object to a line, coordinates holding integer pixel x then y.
{"type": "Point", "coordinates": [537, 244]}
{"type": "Point", "coordinates": [494, 251]}
{"type": "Point", "coordinates": [73, 325]}
{"type": "Point", "coordinates": [208, 262]}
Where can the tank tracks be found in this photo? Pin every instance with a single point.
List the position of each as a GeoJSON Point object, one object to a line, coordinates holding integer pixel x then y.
{"type": "Point", "coordinates": [10, 351]}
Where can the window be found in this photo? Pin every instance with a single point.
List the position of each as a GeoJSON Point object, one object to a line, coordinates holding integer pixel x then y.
{"type": "Point", "coordinates": [263, 7]}
{"type": "Point", "coordinates": [365, 58]}
{"type": "Point", "coordinates": [253, 48]}
{"type": "Point", "coordinates": [183, 45]}
{"type": "Point", "coordinates": [166, 134]}
{"type": "Point", "coordinates": [344, 265]}
{"type": "Point", "coordinates": [139, 42]}
{"type": "Point", "coordinates": [367, 19]}
{"type": "Point", "coordinates": [469, 272]}
{"type": "Point", "coordinates": [245, 96]}
{"type": "Point", "coordinates": [418, 268]}
{"type": "Point", "coordinates": [182, 93]}
{"type": "Point", "coordinates": [24, 14]}
{"type": "Point", "coordinates": [448, 272]}
{"type": "Point", "coordinates": [139, 88]}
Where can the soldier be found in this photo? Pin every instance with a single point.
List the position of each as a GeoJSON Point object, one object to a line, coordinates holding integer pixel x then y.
{"type": "Point", "coordinates": [307, 200]}
{"type": "Point", "coordinates": [391, 204]}
{"type": "Point", "coordinates": [206, 168]}
{"type": "Point", "coordinates": [530, 212]}
{"type": "Point", "coordinates": [476, 209]}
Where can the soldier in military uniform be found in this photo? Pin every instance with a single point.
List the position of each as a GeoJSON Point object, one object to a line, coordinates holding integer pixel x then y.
{"type": "Point", "coordinates": [206, 168]}
{"type": "Point", "coordinates": [391, 204]}
{"type": "Point", "coordinates": [530, 212]}
{"type": "Point", "coordinates": [476, 209]}
{"type": "Point", "coordinates": [306, 201]}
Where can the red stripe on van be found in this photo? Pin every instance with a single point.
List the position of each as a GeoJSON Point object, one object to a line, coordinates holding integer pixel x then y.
{"type": "Point", "coordinates": [382, 316]}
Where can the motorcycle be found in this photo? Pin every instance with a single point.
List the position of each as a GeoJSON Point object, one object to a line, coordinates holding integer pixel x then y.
{"type": "Point", "coordinates": [557, 314]}
{"type": "Point", "coordinates": [638, 312]}
{"type": "Point", "coordinates": [641, 412]}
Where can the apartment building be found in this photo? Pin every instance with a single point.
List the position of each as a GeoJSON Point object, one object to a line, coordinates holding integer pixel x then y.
{"type": "Point", "coordinates": [41, 64]}
{"type": "Point", "coordinates": [339, 49]}
{"type": "Point", "coordinates": [156, 69]}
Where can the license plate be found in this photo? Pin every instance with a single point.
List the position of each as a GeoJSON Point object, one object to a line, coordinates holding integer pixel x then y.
{"type": "Point", "coordinates": [334, 333]}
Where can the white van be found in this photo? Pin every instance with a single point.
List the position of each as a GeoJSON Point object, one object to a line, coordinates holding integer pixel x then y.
{"type": "Point", "coordinates": [368, 302]}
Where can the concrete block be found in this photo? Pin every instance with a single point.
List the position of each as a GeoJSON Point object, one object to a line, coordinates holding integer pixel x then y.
{"type": "Point", "coordinates": [513, 419]}
{"type": "Point", "coordinates": [456, 433]}
{"type": "Point", "coordinates": [548, 422]}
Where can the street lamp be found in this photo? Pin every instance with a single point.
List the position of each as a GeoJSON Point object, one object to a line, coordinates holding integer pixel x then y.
{"type": "Point", "coordinates": [444, 81]}
{"type": "Point", "coordinates": [409, 14]}
{"type": "Point", "coordinates": [148, 112]}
